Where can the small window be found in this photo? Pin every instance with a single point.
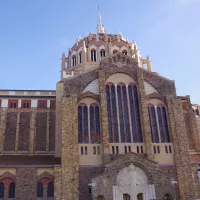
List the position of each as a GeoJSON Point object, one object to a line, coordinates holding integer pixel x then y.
{"type": "Point", "coordinates": [82, 151]}
{"type": "Point", "coordinates": [129, 148]}
{"type": "Point", "coordinates": [113, 150]}
{"type": "Point", "coordinates": [158, 149]}
{"type": "Point", "coordinates": [138, 151]}
{"type": "Point", "coordinates": [80, 57]}
{"type": "Point", "coordinates": [52, 104]}
{"type": "Point", "coordinates": [141, 148]}
{"type": "Point", "coordinates": [90, 190]}
{"type": "Point", "coordinates": [94, 150]}
{"type": "Point", "coordinates": [125, 149]}
{"type": "Point", "coordinates": [11, 190]}
{"type": "Point", "coordinates": [124, 52]}
{"type": "Point", "coordinates": [154, 149]}
{"type": "Point", "coordinates": [166, 149]}
{"type": "Point", "coordinates": [50, 190]}
{"type": "Point", "coordinates": [40, 189]}
{"type": "Point", "coordinates": [26, 104]}
{"type": "Point", "coordinates": [13, 104]}
{"type": "Point", "coordinates": [93, 55]}
{"type": "Point", "coordinates": [115, 51]}
{"type": "Point", "coordinates": [103, 53]}
{"type": "Point", "coordinates": [42, 104]}
{"type": "Point", "coordinates": [170, 149]}
{"type": "Point", "coordinates": [98, 150]}
{"type": "Point", "coordinates": [86, 151]}
{"type": "Point", "coordinates": [1, 190]}
{"type": "Point", "coordinates": [74, 61]}
{"type": "Point", "coordinates": [117, 150]}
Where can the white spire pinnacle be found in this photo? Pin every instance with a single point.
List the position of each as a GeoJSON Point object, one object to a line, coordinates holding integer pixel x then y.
{"type": "Point", "coordinates": [100, 26]}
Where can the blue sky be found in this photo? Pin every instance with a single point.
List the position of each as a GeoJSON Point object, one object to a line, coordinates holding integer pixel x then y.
{"type": "Point", "coordinates": [33, 35]}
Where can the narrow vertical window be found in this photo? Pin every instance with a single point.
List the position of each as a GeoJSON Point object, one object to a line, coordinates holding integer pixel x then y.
{"type": "Point", "coordinates": [135, 114]}
{"type": "Point", "coordinates": [141, 148]}
{"type": "Point", "coordinates": [117, 150]}
{"type": "Point", "coordinates": [11, 190]}
{"type": "Point", "coordinates": [154, 149]}
{"type": "Point", "coordinates": [112, 114]}
{"type": "Point", "coordinates": [163, 125]}
{"type": "Point", "coordinates": [103, 53]}
{"type": "Point", "coordinates": [93, 55]}
{"type": "Point", "coordinates": [1, 190]}
{"type": "Point", "coordinates": [125, 149]}
{"type": "Point", "coordinates": [98, 150]}
{"type": "Point", "coordinates": [153, 124]}
{"type": "Point", "coordinates": [50, 190]}
{"type": "Point", "coordinates": [129, 148]}
{"type": "Point", "coordinates": [166, 149]}
{"type": "Point", "coordinates": [86, 151]}
{"type": "Point", "coordinates": [158, 149]}
{"type": "Point", "coordinates": [83, 124]}
{"type": "Point", "coordinates": [94, 150]}
{"type": "Point", "coordinates": [113, 150]}
{"type": "Point", "coordinates": [40, 189]}
{"type": "Point", "coordinates": [80, 57]}
{"type": "Point", "coordinates": [82, 151]}
{"type": "Point", "coordinates": [138, 151]}
{"type": "Point", "coordinates": [74, 61]}
{"type": "Point", "coordinates": [170, 149]}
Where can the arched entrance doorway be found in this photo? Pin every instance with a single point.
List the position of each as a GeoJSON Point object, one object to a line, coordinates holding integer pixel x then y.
{"type": "Point", "coordinates": [140, 196]}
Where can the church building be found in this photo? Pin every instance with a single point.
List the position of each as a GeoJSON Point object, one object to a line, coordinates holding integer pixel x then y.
{"type": "Point", "coordinates": [112, 130]}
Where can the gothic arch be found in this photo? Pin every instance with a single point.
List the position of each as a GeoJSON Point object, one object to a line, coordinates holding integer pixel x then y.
{"type": "Point", "coordinates": [7, 175]}
{"type": "Point", "coordinates": [45, 175]}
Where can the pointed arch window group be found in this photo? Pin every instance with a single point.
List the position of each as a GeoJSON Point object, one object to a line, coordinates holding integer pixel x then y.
{"type": "Point", "coordinates": [123, 113]}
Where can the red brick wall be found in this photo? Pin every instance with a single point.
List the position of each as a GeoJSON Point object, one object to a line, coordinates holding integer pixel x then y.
{"type": "Point", "coordinates": [24, 130]}
{"type": "Point", "coordinates": [10, 132]}
{"type": "Point", "coordinates": [41, 129]}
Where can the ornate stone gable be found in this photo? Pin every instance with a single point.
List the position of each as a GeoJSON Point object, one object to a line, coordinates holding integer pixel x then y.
{"type": "Point", "coordinates": [103, 184]}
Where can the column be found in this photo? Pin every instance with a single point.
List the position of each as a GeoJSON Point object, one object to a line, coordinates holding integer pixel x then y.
{"type": "Point", "coordinates": [3, 114]}
{"type": "Point", "coordinates": [45, 192]}
{"type": "Point", "coordinates": [6, 192]}
{"type": "Point", "coordinates": [17, 130]}
{"type": "Point", "coordinates": [32, 131]}
{"type": "Point", "coordinates": [180, 143]}
{"type": "Point", "coordinates": [104, 115]}
{"type": "Point", "coordinates": [47, 131]}
{"type": "Point", "coordinates": [70, 158]}
{"type": "Point", "coordinates": [144, 115]}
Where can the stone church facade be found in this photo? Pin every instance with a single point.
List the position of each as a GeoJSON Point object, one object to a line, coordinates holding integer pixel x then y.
{"type": "Point", "coordinates": [112, 130]}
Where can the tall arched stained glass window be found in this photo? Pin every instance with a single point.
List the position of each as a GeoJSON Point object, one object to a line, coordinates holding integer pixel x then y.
{"type": "Point", "coordinates": [40, 189]}
{"type": "Point", "coordinates": [1, 190]}
{"type": "Point", "coordinates": [135, 114]}
{"type": "Point", "coordinates": [94, 124]}
{"type": "Point", "coordinates": [112, 113]}
{"type": "Point", "coordinates": [11, 190]}
{"type": "Point", "coordinates": [123, 113]}
{"type": "Point", "coordinates": [83, 124]}
{"type": "Point", "coordinates": [163, 124]}
{"type": "Point", "coordinates": [153, 124]}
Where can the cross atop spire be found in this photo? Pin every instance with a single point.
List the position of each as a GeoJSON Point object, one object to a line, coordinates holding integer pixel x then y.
{"type": "Point", "coordinates": [100, 26]}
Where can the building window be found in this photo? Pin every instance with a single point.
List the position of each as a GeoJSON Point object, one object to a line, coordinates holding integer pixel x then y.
{"type": "Point", "coordinates": [73, 60]}
{"type": "Point", "coordinates": [115, 51]}
{"type": "Point", "coordinates": [80, 57]}
{"type": "Point", "coordinates": [170, 149]}
{"type": "Point", "coordinates": [112, 114]}
{"type": "Point", "coordinates": [123, 113]}
{"type": "Point", "coordinates": [117, 150]}
{"type": "Point", "coordinates": [135, 113]}
{"type": "Point", "coordinates": [12, 104]}
{"type": "Point", "coordinates": [94, 150]}
{"type": "Point", "coordinates": [26, 104]}
{"type": "Point", "coordinates": [98, 150]}
{"type": "Point", "coordinates": [153, 124]}
{"type": "Point", "coordinates": [124, 52]}
{"type": "Point", "coordinates": [50, 190]}
{"type": "Point", "coordinates": [166, 149]}
{"type": "Point", "coordinates": [83, 124]}
{"type": "Point", "coordinates": [1, 190]}
{"type": "Point", "coordinates": [129, 148]}
{"type": "Point", "coordinates": [82, 151]}
{"type": "Point", "coordinates": [103, 53]}
{"type": "Point", "coordinates": [94, 124]}
{"type": "Point", "coordinates": [52, 104]}
{"type": "Point", "coordinates": [93, 55]}
{"type": "Point", "coordinates": [141, 149]}
{"type": "Point", "coordinates": [11, 190]}
{"type": "Point", "coordinates": [86, 151]}
{"type": "Point", "coordinates": [199, 174]}
{"type": "Point", "coordinates": [42, 104]}
{"type": "Point", "coordinates": [40, 189]}
{"type": "Point", "coordinates": [113, 150]}
{"type": "Point", "coordinates": [126, 197]}
{"type": "Point", "coordinates": [125, 149]}
{"type": "Point", "coordinates": [0, 103]}
{"type": "Point", "coordinates": [163, 124]}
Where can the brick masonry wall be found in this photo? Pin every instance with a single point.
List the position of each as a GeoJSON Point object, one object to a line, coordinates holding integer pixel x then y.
{"type": "Point", "coordinates": [70, 160]}
{"type": "Point", "coordinates": [41, 129]}
{"type": "Point", "coordinates": [188, 131]}
{"type": "Point", "coordinates": [10, 131]}
{"type": "Point", "coordinates": [26, 183]}
{"type": "Point", "coordinates": [86, 173]}
{"type": "Point", "coordinates": [24, 130]}
{"type": "Point", "coordinates": [52, 121]}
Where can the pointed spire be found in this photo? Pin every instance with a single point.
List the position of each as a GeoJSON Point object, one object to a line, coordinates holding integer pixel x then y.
{"type": "Point", "coordinates": [100, 26]}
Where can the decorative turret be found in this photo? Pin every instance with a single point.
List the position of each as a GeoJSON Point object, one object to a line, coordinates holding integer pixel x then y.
{"type": "Point", "coordinates": [100, 26]}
